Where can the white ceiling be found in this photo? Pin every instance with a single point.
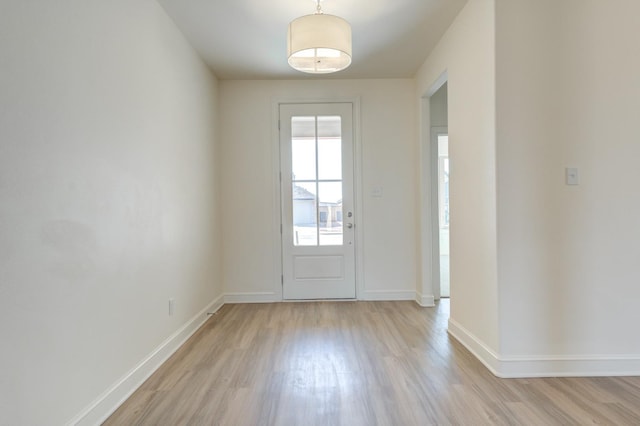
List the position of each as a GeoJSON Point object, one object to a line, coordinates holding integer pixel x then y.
{"type": "Point", "coordinates": [246, 39]}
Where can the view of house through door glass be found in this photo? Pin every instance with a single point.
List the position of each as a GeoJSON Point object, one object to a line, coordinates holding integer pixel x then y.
{"type": "Point", "coordinates": [316, 162]}
{"type": "Point", "coordinates": [317, 201]}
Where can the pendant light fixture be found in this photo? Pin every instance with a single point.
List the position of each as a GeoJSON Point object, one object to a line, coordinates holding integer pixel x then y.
{"type": "Point", "coordinates": [319, 43]}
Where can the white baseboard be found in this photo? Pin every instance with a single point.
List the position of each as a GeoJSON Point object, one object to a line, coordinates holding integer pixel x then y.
{"type": "Point", "coordinates": [100, 409]}
{"type": "Point", "coordinates": [546, 366]}
{"type": "Point", "coordinates": [426, 301]}
{"type": "Point", "coordinates": [271, 297]}
{"type": "Point", "coordinates": [570, 366]}
{"type": "Point", "coordinates": [484, 354]}
{"type": "Point", "coordinates": [264, 297]}
{"type": "Point", "coordinates": [388, 295]}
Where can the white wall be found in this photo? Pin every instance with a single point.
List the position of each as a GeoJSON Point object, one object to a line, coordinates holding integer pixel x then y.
{"type": "Point", "coordinates": [388, 125]}
{"type": "Point", "coordinates": [568, 94]}
{"type": "Point", "coordinates": [543, 275]}
{"type": "Point", "coordinates": [467, 54]}
{"type": "Point", "coordinates": [107, 198]}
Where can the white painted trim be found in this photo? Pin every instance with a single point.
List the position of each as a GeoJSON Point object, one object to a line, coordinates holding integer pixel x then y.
{"type": "Point", "coordinates": [570, 366]}
{"type": "Point", "coordinates": [484, 354]}
{"type": "Point", "coordinates": [429, 283]}
{"type": "Point", "coordinates": [357, 185]}
{"type": "Point", "coordinates": [435, 208]}
{"type": "Point", "coordinates": [389, 295]}
{"type": "Point", "coordinates": [317, 300]}
{"type": "Point", "coordinates": [359, 196]}
{"type": "Point", "coordinates": [426, 301]}
{"type": "Point", "coordinates": [270, 297]}
{"type": "Point", "coordinates": [276, 236]}
{"type": "Point", "coordinates": [103, 406]}
{"type": "Point", "coordinates": [548, 365]}
{"type": "Point", "coordinates": [438, 83]}
{"type": "Point", "coordinates": [256, 297]}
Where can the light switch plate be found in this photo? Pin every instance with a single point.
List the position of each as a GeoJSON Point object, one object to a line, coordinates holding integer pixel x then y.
{"type": "Point", "coordinates": [571, 176]}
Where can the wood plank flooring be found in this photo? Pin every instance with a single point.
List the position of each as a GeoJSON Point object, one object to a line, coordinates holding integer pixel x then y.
{"type": "Point", "coordinates": [356, 363]}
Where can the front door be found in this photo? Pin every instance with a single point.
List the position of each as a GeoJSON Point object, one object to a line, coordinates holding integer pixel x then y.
{"type": "Point", "coordinates": [316, 160]}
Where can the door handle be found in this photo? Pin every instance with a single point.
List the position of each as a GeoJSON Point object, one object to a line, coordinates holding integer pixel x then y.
{"type": "Point", "coordinates": [349, 225]}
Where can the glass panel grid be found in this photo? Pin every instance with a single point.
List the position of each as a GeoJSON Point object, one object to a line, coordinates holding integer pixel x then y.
{"type": "Point", "coordinates": [317, 180]}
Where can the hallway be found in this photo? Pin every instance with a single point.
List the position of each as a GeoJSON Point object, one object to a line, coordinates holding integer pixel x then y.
{"type": "Point", "coordinates": [355, 363]}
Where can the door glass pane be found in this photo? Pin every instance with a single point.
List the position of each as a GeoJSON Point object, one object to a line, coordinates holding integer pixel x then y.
{"type": "Point", "coordinates": [329, 126]}
{"type": "Point", "coordinates": [330, 213]}
{"type": "Point", "coordinates": [303, 127]}
{"type": "Point", "coordinates": [330, 158]}
{"type": "Point", "coordinates": [303, 148]}
{"type": "Point", "coordinates": [305, 223]}
{"type": "Point", "coordinates": [329, 148]}
{"type": "Point", "coordinates": [316, 166]}
{"type": "Point", "coordinates": [303, 152]}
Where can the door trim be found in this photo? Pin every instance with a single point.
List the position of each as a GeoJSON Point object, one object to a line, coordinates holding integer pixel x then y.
{"type": "Point", "coordinates": [326, 268]}
{"type": "Point", "coordinates": [277, 200]}
{"type": "Point", "coordinates": [435, 209]}
{"type": "Point", "coordinates": [425, 294]}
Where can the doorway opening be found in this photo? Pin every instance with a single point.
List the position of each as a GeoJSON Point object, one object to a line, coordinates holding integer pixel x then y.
{"type": "Point", "coordinates": [438, 119]}
{"type": "Point", "coordinates": [442, 139]}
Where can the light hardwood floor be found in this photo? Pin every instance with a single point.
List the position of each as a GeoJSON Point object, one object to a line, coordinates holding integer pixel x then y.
{"type": "Point", "coordinates": [356, 363]}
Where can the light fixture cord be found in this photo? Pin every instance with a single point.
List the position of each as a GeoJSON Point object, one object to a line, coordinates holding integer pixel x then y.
{"type": "Point", "coordinates": [318, 9]}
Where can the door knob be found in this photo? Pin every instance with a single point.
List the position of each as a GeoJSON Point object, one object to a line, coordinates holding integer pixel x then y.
{"type": "Point", "coordinates": [349, 225]}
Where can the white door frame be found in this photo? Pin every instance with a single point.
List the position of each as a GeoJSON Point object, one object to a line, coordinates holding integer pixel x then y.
{"type": "Point", "coordinates": [323, 270]}
{"type": "Point", "coordinates": [427, 291]}
{"type": "Point", "coordinates": [435, 208]}
{"type": "Point", "coordinates": [277, 199]}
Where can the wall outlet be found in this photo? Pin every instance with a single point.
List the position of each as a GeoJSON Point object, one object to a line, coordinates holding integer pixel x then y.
{"type": "Point", "coordinates": [172, 306]}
